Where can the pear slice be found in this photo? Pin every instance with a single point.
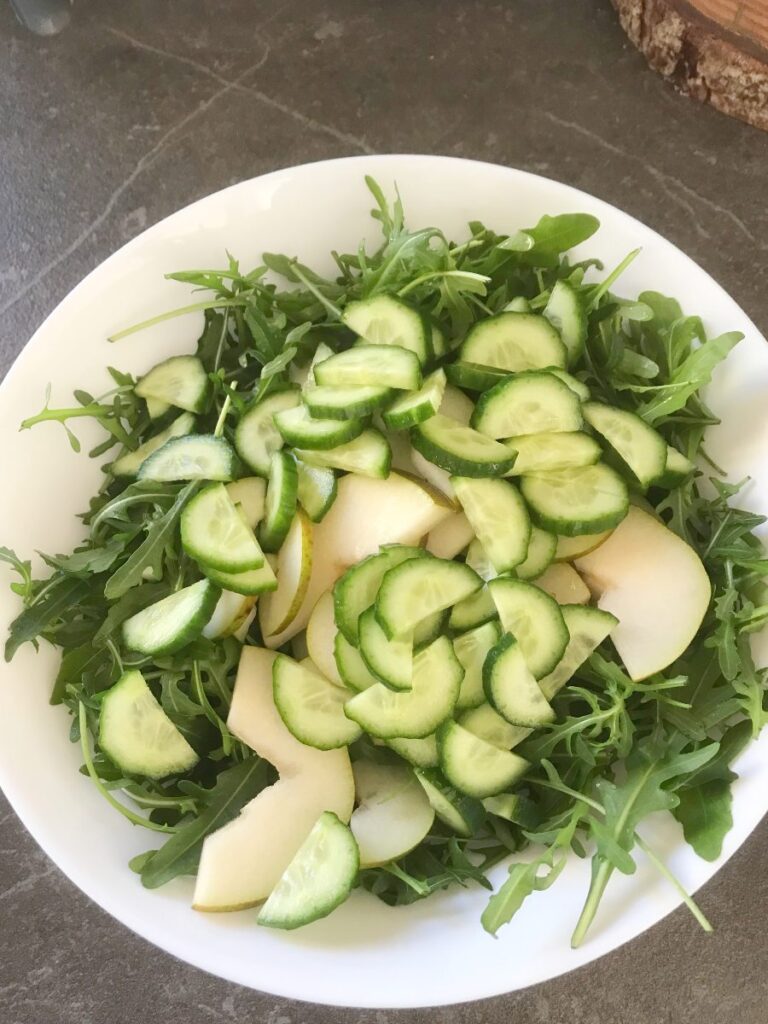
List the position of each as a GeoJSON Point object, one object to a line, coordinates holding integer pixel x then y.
{"type": "Point", "coordinates": [451, 536]}
{"type": "Point", "coordinates": [393, 813]}
{"type": "Point", "coordinates": [279, 608]}
{"type": "Point", "coordinates": [655, 585]}
{"type": "Point", "coordinates": [321, 637]}
{"type": "Point", "coordinates": [231, 611]}
{"type": "Point", "coordinates": [249, 494]}
{"type": "Point", "coordinates": [242, 862]}
{"type": "Point", "coordinates": [561, 581]}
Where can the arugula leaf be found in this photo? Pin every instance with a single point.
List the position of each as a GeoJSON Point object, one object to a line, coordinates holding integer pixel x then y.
{"type": "Point", "coordinates": [563, 232]}
{"type": "Point", "coordinates": [705, 814]}
{"type": "Point", "coordinates": [44, 613]}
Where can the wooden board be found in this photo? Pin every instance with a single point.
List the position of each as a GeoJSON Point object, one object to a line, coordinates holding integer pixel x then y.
{"type": "Point", "coordinates": [713, 50]}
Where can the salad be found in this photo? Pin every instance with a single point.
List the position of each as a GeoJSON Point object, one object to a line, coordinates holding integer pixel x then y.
{"type": "Point", "coordinates": [406, 570]}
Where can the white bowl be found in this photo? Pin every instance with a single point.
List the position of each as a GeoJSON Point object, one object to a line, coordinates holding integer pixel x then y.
{"type": "Point", "coordinates": [365, 954]}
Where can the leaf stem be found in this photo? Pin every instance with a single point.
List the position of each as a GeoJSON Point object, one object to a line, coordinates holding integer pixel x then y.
{"type": "Point", "coordinates": [332, 308]}
{"type": "Point", "coordinates": [662, 868]}
{"type": "Point", "coordinates": [95, 409]}
{"type": "Point", "coordinates": [195, 307]}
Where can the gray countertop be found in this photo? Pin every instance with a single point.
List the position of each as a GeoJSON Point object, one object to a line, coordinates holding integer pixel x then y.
{"type": "Point", "coordinates": [140, 108]}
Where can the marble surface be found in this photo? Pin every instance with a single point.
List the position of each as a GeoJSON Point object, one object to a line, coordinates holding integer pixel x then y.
{"type": "Point", "coordinates": [139, 108]}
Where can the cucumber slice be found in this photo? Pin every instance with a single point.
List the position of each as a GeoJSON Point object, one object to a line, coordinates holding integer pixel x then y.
{"type": "Point", "coordinates": [499, 518]}
{"type": "Point", "coordinates": [256, 436]}
{"type": "Point", "coordinates": [317, 488]}
{"type": "Point", "coordinates": [474, 766]}
{"type": "Point", "coordinates": [170, 624]}
{"type": "Point", "coordinates": [565, 311]}
{"type": "Point", "coordinates": [156, 408]}
{"type": "Point", "coordinates": [461, 450]}
{"type": "Point", "coordinates": [437, 342]}
{"type": "Point", "coordinates": [677, 469]}
{"type": "Point", "coordinates": [311, 707]}
{"type": "Point", "coordinates": [429, 629]}
{"type": "Point", "coordinates": [449, 538]}
{"type": "Point", "coordinates": [420, 587]}
{"type": "Point", "coordinates": [472, 648]}
{"type": "Point", "coordinates": [488, 724]}
{"type": "Point", "coordinates": [180, 381]}
{"type": "Point", "coordinates": [505, 805]}
{"type": "Point", "coordinates": [418, 406]}
{"type": "Point", "coordinates": [542, 453]}
{"type": "Point", "coordinates": [249, 494]}
{"type": "Point", "coordinates": [569, 548]}
{"type": "Point", "coordinates": [280, 507]}
{"type": "Point", "coordinates": [477, 559]}
{"type": "Point", "coordinates": [391, 661]}
{"type": "Point", "coordinates": [421, 753]}
{"type": "Point", "coordinates": [353, 671]}
{"type": "Point", "coordinates": [528, 403]}
{"type": "Point", "coordinates": [576, 501]}
{"type": "Point", "coordinates": [639, 448]}
{"type": "Point", "coordinates": [518, 305]}
{"type": "Point", "coordinates": [511, 688]}
{"type": "Point", "coordinates": [392, 815]}
{"type": "Point", "coordinates": [535, 621]}
{"type": "Point", "coordinates": [578, 387]}
{"type": "Point", "coordinates": [321, 639]}
{"type": "Point", "coordinates": [257, 581]}
{"type": "Point", "coordinates": [541, 551]}
{"type": "Point", "coordinates": [472, 611]}
{"type": "Point", "coordinates": [278, 609]}
{"type": "Point", "coordinates": [130, 463]}
{"type": "Point", "coordinates": [301, 430]}
{"type": "Point", "coordinates": [463, 814]}
{"type": "Point", "coordinates": [456, 406]}
{"type": "Point", "coordinates": [388, 714]}
{"type": "Point", "coordinates": [380, 366]}
{"type": "Point", "coordinates": [474, 376]}
{"type": "Point", "coordinates": [334, 403]}
{"type": "Point", "coordinates": [193, 457]}
{"type": "Point", "coordinates": [386, 320]}
{"type": "Point", "coordinates": [318, 879]}
{"type": "Point", "coordinates": [321, 353]}
{"type": "Point", "coordinates": [136, 733]}
{"type": "Point", "coordinates": [514, 342]}
{"type": "Point", "coordinates": [563, 583]}
{"type": "Point", "coordinates": [213, 532]}
{"type": "Point", "coordinates": [588, 627]}
{"type": "Point", "coordinates": [356, 590]}
{"type": "Point", "coordinates": [368, 455]}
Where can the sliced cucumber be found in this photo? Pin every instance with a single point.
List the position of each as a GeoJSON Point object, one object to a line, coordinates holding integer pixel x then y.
{"type": "Point", "coordinates": [352, 669]}
{"type": "Point", "coordinates": [170, 624]}
{"type": "Point", "coordinates": [477, 559]}
{"type": "Point", "coordinates": [518, 305]}
{"type": "Point", "coordinates": [156, 407]}
{"type": "Point", "coordinates": [280, 507]}
{"type": "Point", "coordinates": [639, 448]}
{"type": "Point", "coordinates": [576, 501]}
{"type": "Point", "coordinates": [387, 320]}
{"type": "Point", "coordinates": [193, 457]}
{"type": "Point", "coordinates": [311, 707]}
{"type": "Point", "coordinates": [421, 753]}
{"type": "Point", "coordinates": [321, 353]}
{"type": "Point", "coordinates": [437, 342]}
{"type": "Point", "coordinates": [569, 548]}
{"type": "Point", "coordinates": [463, 814]}
{"type": "Point", "coordinates": [317, 880]}
{"type": "Point", "coordinates": [514, 342]}
{"type": "Point", "coordinates": [356, 590]}
{"type": "Point", "coordinates": [417, 712]}
{"type": "Point", "coordinates": [449, 538]}
{"type": "Point", "coordinates": [541, 551]}
{"type": "Point", "coordinates": [472, 648]}
{"type": "Point", "coordinates": [418, 406]}
{"type": "Point", "coordinates": [345, 403]}
{"type": "Point", "coordinates": [214, 533]}
{"type": "Point", "coordinates": [256, 436]}
{"type": "Point", "coordinates": [300, 429]}
{"type": "Point", "coordinates": [456, 406]}
{"type": "Point", "coordinates": [472, 611]}
{"type": "Point", "coordinates": [499, 518]}
{"type": "Point", "coordinates": [534, 620]}
{"type": "Point", "coordinates": [473, 765]}
{"type": "Point", "coordinates": [588, 627]}
{"type": "Point", "coordinates": [392, 815]}
{"type": "Point", "coordinates": [249, 494]}
{"type": "Point", "coordinates": [677, 469]}
{"type": "Point", "coordinates": [180, 381]}
{"type": "Point", "coordinates": [505, 805]}
{"type": "Point", "coordinates": [511, 688]}
{"type": "Point", "coordinates": [369, 455]}
{"type": "Point", "coordinates": [562, 582]}
{"type": "Point", "coordinates": [257, 581]}
{"type": "Point", "coordinates": [380, 366]}
{"type": "Point", "coordinates": [565, 311]}
{"type": "Point", "coordinates": [429, 629]}
{"type": "Point", "coordinates": [136, 733]}
{"type": "Point", "coordinates": [528, 403]}
{"type": "Point", "coordinates": [461, 450]}
{"type": "Point", "coordinates": [578, 387]}
{"type": "Point", "coordinates": [130, 463]}
{"type": "Point", "coordinates": [488, 724]}
{"type": "Point", "coordinates": [541, 453]}
{"type": "Point", "coordinates": [391, 661]}
{"type": "Point", "coordinates": [317, 489]}
{"type": "Point", "coordinates": [418, 588]}
{"type": "Point", "coordinates": [474, 376]}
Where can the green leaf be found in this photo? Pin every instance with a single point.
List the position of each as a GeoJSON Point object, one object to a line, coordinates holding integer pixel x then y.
{"type": "Point", "coordinates": [34, 621]}
{"type": "Point", "coordinates": [87, 668]}
{"type": "Point", "coordinates": [705, 814]}
{"type": "Point", "coordinates": [563, 232]}
{"type": "Point", "coordinates": [23, 568]}
{"type": "Point", "coordinates": [692, 374]}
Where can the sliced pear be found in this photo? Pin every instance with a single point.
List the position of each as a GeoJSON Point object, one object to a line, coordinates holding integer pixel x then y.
{"type": "Point", "coordinates": [574, 547]}
{"type": "Point", "coordinates": [321, 637]}
{"type": "Point", "coordinates": [434, 475]}
{"type": "Point", "coordinates": [456, 405]}
{"type": "Point", "coordinates": [249, 493]}
{"type": "Point", "coordinates": [451, 536]}
{"type": "Point", "coordinates": [231, 612]}
{"type": "Point", "coordinates": [561, 581]}
{"type": "Point", "coordinates": [278, 608]}
{"type": "Point", "coordinates": [656, 586]}
{"type": "Point", "coordinates": [242, 862]}
{"type": "Point", "coordinates": [393, 813]}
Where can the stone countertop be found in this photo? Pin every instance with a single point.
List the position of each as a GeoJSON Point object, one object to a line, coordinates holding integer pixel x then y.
{"type": "Point", "coordinates": [140, 108]}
